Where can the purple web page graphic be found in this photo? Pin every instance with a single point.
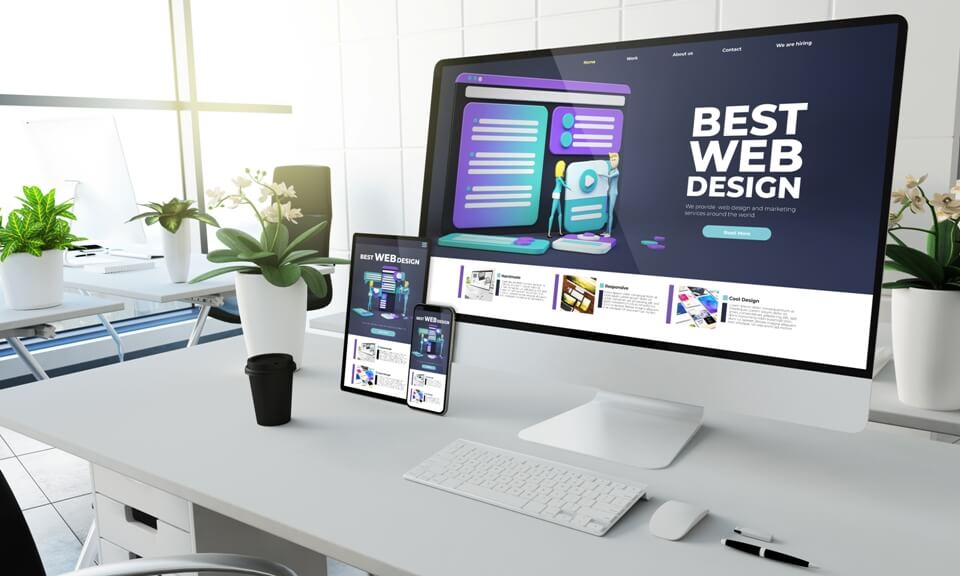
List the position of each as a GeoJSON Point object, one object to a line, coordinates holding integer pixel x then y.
{"type": "Point", "coordinates": [592, 131]}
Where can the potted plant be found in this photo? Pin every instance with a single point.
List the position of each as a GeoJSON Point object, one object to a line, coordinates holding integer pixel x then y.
{"type": "Point", "coordinates": [32, 241]}
{"type": "Point", "coordinates": [926, 303]}
{"type": "Point", "coordinates": [176, 237]}
{"type": "Point", "coordinates": [273, 273]}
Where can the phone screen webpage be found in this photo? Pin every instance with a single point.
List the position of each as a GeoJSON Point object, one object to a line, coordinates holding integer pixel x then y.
{"type": "Point", "coordinates": [429, 359]}
{"type": "Point", "coordinates": [388, 279]}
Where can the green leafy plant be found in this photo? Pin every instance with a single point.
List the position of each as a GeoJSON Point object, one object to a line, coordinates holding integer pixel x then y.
{"type": "Point", "coordinates": [39, 224]}
{"type": "Point", "coordinates": [172, 213]}
{"type": "Point", "coordinates": [274, 255]}
{"type": "Point", "coordinates": [938, 266]}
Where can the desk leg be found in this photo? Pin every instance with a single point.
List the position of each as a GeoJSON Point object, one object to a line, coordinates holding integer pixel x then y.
{"type": "Point", "coordinates": [113, 334]}
{"type": "Point", "coordinates": [27, 358]}
{"type": "Point", "coordinates": [198, 327]}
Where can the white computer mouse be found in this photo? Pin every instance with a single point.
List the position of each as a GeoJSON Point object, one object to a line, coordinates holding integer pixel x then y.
{"type": "Point", "coordinates": [673, 519]}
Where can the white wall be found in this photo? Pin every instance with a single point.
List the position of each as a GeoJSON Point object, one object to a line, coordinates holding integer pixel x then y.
{"type": "Point", "coordinates": [373, 61]}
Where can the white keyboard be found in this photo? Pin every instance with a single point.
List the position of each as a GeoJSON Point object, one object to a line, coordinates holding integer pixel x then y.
{"type": "Point", "coordinates": [573, 497]}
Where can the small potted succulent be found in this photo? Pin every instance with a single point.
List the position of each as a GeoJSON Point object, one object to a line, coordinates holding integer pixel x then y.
{"type": "Point", "coordinates": [176, 237]}
{"type": "Point", "coordinates": [32, 241]}
{"type": "Point", "coordinates": [925, 311]}
{"type": "Point", "coordinates": [273, 271]}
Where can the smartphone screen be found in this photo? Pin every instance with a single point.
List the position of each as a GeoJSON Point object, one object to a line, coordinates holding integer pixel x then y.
{"type": "Point", "coordinates": [427, 387]}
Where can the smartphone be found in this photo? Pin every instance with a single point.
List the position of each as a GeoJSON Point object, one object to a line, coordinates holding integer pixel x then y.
{"type": "Point", "coordinates": [431, 344]}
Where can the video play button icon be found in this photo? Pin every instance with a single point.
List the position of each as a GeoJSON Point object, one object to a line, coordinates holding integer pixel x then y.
{"type": "Point", "coordinates": [588, 180]}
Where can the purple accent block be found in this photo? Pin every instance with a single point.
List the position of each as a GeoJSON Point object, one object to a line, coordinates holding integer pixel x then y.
{"type": "Point", "coordinates": [460, 287]}
{"type": "Point", "coordinates": [523, 241]}
{"type": "Point", "coordinates": [500, 165]}
{"type": "Point", "coordinates": [659, 238]}
{"type": "Point", "coordinates": [656, 246]}
{"type": "Point", "coordinates": [669, 303]}
{"type": "Point", "coordinates": [579, 131]}
{"type": "Point", "coordinates": [354, 348]}
{"type": "Point", "coordinates": [556, 288]}
{"type": "Point", "coordinates": [541, 83]}
{"type": "Point", "coordinates": [600, 299]}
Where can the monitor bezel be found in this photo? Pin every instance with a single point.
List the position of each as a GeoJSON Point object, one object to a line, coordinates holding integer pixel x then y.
{"type": "Point", "coordinates": [867, 370]}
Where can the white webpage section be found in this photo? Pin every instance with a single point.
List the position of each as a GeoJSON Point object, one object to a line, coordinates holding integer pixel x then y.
{"type": "Point", "coordinates": [426, 390]}
{"type": "Point", "coordinates": [377, 365]}
{"type": "Point", "coordinates": [790, 323]}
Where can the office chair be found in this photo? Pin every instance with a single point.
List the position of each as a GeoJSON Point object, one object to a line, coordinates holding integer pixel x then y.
{"type": "Point", "coordinates": [312, 184]}
{"type": "Point", "coordinates": [20, 554]}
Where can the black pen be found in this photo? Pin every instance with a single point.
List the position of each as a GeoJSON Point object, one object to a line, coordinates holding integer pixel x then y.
{"type": "Point", "coordinates": [767, 553]}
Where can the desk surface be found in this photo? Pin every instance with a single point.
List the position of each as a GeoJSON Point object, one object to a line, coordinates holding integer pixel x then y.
{"type": "Point", "coordinates": [867, 503]}
{"type": "Point", "coordinates": [152, 285]}
{"type": "Point", "coordinates": [74, 306]}
{"type": "Point", "coordinates": [886, 408]}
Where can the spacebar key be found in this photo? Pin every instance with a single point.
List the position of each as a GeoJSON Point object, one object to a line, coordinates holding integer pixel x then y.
{"type": "Point", "coordinates": [493, 495]}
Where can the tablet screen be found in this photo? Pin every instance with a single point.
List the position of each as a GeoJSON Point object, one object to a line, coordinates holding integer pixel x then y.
{"type": "Point", "coordinates": [388, 277]}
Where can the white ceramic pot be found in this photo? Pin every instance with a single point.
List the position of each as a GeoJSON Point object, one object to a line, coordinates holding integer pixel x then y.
{"type": "Point", "coordinates": [30, 282]}
{"type": "Point", "coordinates": [176, 253]}
{"type": "Point", "coordinates": [274, 319]}
{"type": "Point", "coordinates": [924, 325]}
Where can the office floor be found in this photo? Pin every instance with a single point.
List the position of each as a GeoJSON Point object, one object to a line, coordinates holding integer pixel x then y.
{"type": "Point", "coordinates": [53, 489]}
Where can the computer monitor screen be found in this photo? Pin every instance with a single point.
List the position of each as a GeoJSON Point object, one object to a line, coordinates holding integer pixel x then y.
{"type": "Point", "coordinates": [721, 194]}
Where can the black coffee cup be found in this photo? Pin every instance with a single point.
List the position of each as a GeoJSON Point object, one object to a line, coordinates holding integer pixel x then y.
{"type": "Point", "coordinates": [271, 382]}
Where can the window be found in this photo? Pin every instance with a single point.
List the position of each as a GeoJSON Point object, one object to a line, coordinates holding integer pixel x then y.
{"type": "Point", "coordinates": [190, 85]}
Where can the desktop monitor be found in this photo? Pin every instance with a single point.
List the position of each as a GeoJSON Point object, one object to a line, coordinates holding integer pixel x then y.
{"type": "Point", "coordinates": [680, 223]}
{"type": "Point", "coordinates": [84, 156]}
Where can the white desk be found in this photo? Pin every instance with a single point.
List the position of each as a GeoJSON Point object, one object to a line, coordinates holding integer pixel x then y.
{"type": "Point", "coordinates": [16, 324]}
{"type": "Point", "coordinates": [330, 481]}
{"type": "Point", "coordinates": [886, 408]}
{"type": "Point", "coordinates": [154, 285]}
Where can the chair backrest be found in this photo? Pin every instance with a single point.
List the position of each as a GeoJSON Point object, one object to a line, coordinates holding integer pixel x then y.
{"type": "Point", "coordinates": [19, 552]}
{"type": "Point", "coordinates": [312, 184]}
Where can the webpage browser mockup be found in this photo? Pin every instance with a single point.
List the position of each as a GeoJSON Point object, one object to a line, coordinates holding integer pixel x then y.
{"type": "Point", "coordinates": [723, 194]}
{"type": "Point", "coordinates": [429, 359]}
{"type": "Point", "coordinates": [388, 279]}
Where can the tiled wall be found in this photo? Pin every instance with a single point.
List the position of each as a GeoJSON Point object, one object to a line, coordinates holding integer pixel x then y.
{"type": "Point", "coordinates": [369, 99]}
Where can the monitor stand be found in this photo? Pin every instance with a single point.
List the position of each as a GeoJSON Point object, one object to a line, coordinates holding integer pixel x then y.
{"type": "Point", "coordinates": [633, 430]}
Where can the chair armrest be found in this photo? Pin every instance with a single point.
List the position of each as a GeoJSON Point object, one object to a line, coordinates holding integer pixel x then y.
{"type": "Point", "coordinates": [206, 562]}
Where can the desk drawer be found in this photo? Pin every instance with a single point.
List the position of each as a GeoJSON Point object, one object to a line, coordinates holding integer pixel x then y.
{"type": "Point", "coordinates": [139, 533]}
{"type": "Point", "coordinates": [111, 553]}
{"type": "Point", "coordinates": [165, 506]}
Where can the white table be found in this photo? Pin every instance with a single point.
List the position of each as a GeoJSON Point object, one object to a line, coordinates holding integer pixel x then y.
{"type": "Point", "coordinates": [16, 324]}
{"type": "Point", "coordinates": [886, 408]}
{"type": "Point", "coordinates": [154, 285]}
{"type": "Point", "coordinates": [330, 481]}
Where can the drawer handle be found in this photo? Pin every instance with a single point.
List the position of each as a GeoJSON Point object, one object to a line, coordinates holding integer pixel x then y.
{"type": "Point", "coordinates": [135, 516]}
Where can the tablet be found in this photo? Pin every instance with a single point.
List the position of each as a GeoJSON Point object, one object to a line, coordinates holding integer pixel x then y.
{"type": "Point", "coordinates": [388, 277]}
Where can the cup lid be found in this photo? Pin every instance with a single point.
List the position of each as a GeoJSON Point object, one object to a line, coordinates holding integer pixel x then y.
{"type": "Point", "coordinates": [271, 363]}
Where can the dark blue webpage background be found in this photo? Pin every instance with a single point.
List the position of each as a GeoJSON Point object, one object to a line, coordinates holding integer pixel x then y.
{"type": "Point", "coordinates": [829, 244]}
{"type": "Point", "coordinates": [416, 275]}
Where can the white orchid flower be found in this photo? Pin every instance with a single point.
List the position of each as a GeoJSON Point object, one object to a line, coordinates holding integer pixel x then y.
{"type": "Point", "coordinates": [290, 213]}
{"type": "Point", "coordinates": [956, 188]}
{"type": "Point", "coordinates": [285, 191]}
{"type": "Point", "coordinates": [913, 182]}
{"type": "Point", "coordinates": [915, 200]}
{"type": "Point", "coordinates": [266, 193]}
{"type": "Point", "coordinates": [242, 182]}
{"type": "Point", "coordinates": [272, 213]}
{"type": "Point", "coordinates": [234, 201]}
{"type": "Point", "coordinates": [900, 196]}
{"type": "Point", "coordinates": [216, 195]}
{"type": "Point", "coordinates": [947, 206]}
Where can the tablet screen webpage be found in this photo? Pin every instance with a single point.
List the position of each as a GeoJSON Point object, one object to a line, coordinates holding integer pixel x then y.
{"type": "Point", "coordinates": [388, 277]}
